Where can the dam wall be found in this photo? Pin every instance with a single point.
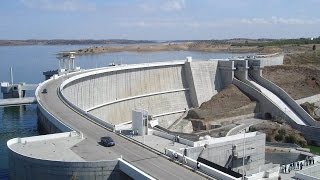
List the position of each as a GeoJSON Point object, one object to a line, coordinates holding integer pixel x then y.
{"type": "Point", "coordinates": [165, 89]}
{"type": "Point", "coordinates": [204, 80]}
{"type": "Point", "coordinates": [114, 84]}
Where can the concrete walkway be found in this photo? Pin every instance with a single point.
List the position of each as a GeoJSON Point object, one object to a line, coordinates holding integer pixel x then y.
{"type": "Point", "coordinates": [292, 173]}
{"type": "Point", "coordinates": [244, 124]}
{"type": "Point", "coordinates": [17, 101]}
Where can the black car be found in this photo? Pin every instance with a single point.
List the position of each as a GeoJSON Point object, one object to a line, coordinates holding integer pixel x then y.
{"type": "Point", "coordinates": [107, 141]}
{"type": "Point", "coordinates": [44, 91]}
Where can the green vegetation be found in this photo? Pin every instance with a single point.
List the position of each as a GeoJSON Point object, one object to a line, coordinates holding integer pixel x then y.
{"type": "Point", "coordinates": [278, 137]}
{"type": "Point", "coordinates": [282, 132]}
{"type": "Point", "coordinates": [314, 149]}
{"type": "Point", "coordinates": [309, 107]}
{"type": "Point", "coordinates": [280, 42]}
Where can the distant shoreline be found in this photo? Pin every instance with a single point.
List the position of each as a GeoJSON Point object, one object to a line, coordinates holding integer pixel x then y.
{"type": "Point", "coordinates": [239, 45]}
{"type": "Point", "coordinates": [70, 42]}
{"type": "Point", "coordinates": [224, 48]}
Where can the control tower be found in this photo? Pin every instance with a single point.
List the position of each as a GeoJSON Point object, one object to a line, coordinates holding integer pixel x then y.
{"type": "Point", "coordinates": [67, 62]}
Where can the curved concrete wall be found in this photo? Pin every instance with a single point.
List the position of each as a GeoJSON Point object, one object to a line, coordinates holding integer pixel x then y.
{"type": "Point", "coordinates": [28, 167]}
{"type": "Point", "coordinates": [95, 89]}
{"type": "Point", "coordinates": [111, 94]}
{"type": "Point", "coordinates": [158, 104]}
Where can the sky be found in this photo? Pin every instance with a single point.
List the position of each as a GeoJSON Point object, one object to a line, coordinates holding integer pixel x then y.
{"type": "Point", "coordinates": [158, 19]}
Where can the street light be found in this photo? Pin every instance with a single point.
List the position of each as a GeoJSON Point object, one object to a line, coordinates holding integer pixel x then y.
{"type": "Point", "coordinates": [145, 123]}
{"type": "Point", "coordinates": [244, 144]}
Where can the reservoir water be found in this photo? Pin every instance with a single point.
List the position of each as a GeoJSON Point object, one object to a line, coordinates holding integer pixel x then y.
{"type": "Point", "coordinates": [29, 62]}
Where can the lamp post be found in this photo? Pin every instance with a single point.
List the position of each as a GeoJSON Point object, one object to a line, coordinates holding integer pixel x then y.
{"type": "Point", "coordinates": [244, 144]}
{"type": "Point", "coordinates": [145, 124]}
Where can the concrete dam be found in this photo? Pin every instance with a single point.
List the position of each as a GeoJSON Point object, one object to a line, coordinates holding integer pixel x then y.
{"type": "Point", "coordinates": [165, 90]}
{"type": "Point", "coordinates": [86, 105]}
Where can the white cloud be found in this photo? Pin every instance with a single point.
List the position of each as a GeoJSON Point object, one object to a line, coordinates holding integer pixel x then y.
{"type": "Point", "coordinates": [173, 23]}
{"type": "Point", "coordinates": [174, 5]}
{"type": "Point", "coordinates": [280, 20]}
{"type": "Point", "coordinates": [167, 5]}
{"type": "Point", "coordinates": [60, 5]}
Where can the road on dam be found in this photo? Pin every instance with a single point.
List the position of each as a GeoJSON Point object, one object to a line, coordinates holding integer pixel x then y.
{"type": "Point", "coordinates": [90, 150]}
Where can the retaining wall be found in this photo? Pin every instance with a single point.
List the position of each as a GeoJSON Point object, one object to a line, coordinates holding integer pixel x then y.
{"type": "Point", "coordinates": [273, 60]}
{"type": "Point", "coordinates": [219, 150]}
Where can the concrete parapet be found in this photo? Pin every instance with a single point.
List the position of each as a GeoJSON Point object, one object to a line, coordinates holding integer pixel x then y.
{"type": "Point", "coordinates": [173, 137]}
{"type": "Point", "coordinates": [199, 166]}
{"type": "Point", "coordinates": [132, 171]}
{"type": "Point", "coordinates": [54, 125]}
{"type": "Point", "coordinates": [271, 173]}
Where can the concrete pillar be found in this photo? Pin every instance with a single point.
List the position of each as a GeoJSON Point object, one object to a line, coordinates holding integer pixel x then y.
{"type": "Point", "coordinates": [241, 71]}
{"type": "Point", "coordinates": [226, 69]}
{"type": "Point", "coordinates": [191, 85]}
{"type": "Point", "coordinates": [255, 67]}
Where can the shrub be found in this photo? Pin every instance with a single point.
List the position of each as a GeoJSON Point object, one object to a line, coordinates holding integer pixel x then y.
{"type": "Point", "coordinates": [268, 138]}
{"type": "Point", "coordinates": [282, 132]}
{"type": "Point", "coordinates": [278, 137]}
{"type": "Point", "coordinates": [291, 139]}
{"type": "Point", "coordinates": [302, 143]}
{"type": "Point", "coordinates": [252, 129]}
